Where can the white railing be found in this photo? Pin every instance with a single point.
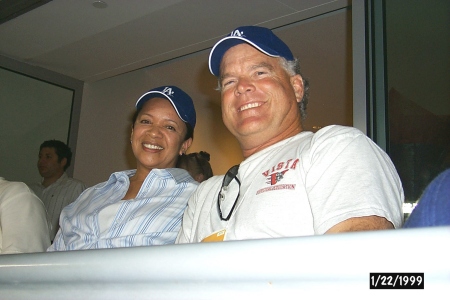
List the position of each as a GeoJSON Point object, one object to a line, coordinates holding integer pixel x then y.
{"type": "Point", "coordinates": [335, 266]}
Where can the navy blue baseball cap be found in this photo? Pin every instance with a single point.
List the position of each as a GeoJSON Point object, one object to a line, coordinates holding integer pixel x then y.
{"type": "Point", "coordinates": [261, 38]}
{"type": "Point", "coordinates": [181, 102]}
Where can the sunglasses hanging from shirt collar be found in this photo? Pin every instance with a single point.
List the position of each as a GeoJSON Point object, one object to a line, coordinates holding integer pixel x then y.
{"type": "Point", "coordinates": [227, 179]}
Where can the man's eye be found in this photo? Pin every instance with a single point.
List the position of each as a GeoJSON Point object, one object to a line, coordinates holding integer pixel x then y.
{"type": "Point", "coordinates": [170, 128]}
{"type": "Point", "coordinates": [145, 122]}
{"type": "Point", "coordinates": [227, 82]}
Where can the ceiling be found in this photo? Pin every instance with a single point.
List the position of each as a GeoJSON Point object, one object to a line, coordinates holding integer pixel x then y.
{"type": "Point", "coordinates": [93, 40]}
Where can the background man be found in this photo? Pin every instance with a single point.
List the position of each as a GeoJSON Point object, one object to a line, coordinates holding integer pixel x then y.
{"type": "Point", "coordinates": [56, 189]}
{"type": "Point", "coordinates": [292, 182]}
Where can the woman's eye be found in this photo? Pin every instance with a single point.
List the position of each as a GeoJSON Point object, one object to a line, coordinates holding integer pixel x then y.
{"type": "Point", "coordinates": [170, 128]}
{"type": "Point", "coordinates": [145, 122]}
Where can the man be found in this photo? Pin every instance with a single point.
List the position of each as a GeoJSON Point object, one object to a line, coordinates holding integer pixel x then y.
{"type": "Point", "coordinates": [56, 189]}
{"type": "Point", "coordinates": [292, 182]}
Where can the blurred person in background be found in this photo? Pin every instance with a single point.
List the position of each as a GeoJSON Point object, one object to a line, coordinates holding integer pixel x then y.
{"type": "Point", "coordinates": [197, 164]}
{"type": "Point", "coordinates": [56, 189]}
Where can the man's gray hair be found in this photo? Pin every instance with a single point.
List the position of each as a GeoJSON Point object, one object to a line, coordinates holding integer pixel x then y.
{"type": "Point", "coordinates": [292, 67]}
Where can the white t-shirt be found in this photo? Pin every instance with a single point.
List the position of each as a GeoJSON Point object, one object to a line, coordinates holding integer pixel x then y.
{"type": "Point", "coordinates": [303, 185]}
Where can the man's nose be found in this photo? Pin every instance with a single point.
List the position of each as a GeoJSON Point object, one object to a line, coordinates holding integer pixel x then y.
{"type": "Point", "coordinates": [244, 85]}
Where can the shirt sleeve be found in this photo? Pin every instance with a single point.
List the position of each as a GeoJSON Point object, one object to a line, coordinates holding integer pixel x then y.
{"type": "Point", "coordinates": [350, 176]}
{"type": "Point", "coordinates": [23, 221]}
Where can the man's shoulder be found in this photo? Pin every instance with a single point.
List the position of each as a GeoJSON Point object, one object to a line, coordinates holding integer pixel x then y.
{"type": "Point", "coordinates": [73, 182]}
{"type": "Point", "coordinates": [210, 184]}
{"type": "Point", "coordinates": [335, 130]}
{"type": "Point", "coordinates": [77, 183]}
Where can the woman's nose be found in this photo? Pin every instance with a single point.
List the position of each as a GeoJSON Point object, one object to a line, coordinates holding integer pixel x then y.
{"type": "Point", "coordinates": [154, 131]}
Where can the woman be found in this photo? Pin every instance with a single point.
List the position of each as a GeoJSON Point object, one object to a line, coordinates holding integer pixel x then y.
{"type": "Point", "coordinates": [144, 206]}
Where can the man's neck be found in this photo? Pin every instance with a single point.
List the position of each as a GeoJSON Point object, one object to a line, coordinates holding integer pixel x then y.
{"type": "Point", "coordinates": [50, 180]}
{"type": "Point", "coordinates": [251, 147]}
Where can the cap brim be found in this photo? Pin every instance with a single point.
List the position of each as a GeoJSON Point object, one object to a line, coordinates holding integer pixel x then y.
{"type": "Point", "coordinates": [156, 94]}
{"type": "Point", "coordinates": [222, 46]}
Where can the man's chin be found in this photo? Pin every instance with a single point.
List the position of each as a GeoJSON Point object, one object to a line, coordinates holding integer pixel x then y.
{"type": "Point", "coordinates": [43, 174]}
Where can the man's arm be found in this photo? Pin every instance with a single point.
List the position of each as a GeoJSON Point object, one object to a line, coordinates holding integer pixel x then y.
{"type": "Point", "coordinates": [361, 224]}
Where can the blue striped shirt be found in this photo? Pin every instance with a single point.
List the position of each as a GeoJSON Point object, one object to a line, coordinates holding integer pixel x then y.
{"type": "Point", "coordinates": [99, 218]}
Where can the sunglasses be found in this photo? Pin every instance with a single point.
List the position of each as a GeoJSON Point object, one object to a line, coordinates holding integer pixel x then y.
{"type": "Point", "coordinates": [228, 178]}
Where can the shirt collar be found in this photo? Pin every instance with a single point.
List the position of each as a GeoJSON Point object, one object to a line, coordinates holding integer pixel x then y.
{"type": "Point", "coordinates": [63, 177]}
{"type": "Point", "coordinates": [179, 175]}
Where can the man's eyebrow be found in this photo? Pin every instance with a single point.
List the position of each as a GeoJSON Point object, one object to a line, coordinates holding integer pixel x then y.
{"type": "Point", "coordinates": [223, 76]}
{"type": "Point", "coordinates": [252, 67]}
{"type": "Point", "coordinates": [262, 65]}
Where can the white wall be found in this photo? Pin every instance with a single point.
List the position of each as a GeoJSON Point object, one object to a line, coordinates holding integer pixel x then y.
{"type": "Point", "coordinates": [32, 111]}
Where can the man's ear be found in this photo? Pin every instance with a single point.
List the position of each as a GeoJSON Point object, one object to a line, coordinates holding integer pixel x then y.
{"type": "Point", "coordinates": [298, 86]}
{"type": "Point", "coordinates": [63, 162]}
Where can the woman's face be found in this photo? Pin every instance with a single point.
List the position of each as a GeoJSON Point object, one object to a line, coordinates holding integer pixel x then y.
{"type": "Point", "coordinates": [157, 137]}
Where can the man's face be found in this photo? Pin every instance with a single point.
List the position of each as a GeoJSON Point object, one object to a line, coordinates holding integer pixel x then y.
{"type": "Point", "coordinates": [48, 164]}
{"type": "Point", "coordinates": [158, 135]}
{"type": "Point", "coordinates": [259, 98]}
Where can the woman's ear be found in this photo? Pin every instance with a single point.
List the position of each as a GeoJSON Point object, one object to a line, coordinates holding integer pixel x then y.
{"type": "Point", "coordinates": [131, 136]}
{"type": "Point", "coordinates": [186, 144]}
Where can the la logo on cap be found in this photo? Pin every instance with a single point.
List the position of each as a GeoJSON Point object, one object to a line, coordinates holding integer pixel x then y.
{"type": "Point", "coordinates": [168, 91]}
{"type": "Point", "coordinates": [237, 33]}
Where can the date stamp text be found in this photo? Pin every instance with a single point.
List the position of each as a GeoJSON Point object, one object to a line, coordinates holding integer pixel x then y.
{"type": "Point", "coordinates": [397, 281]}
